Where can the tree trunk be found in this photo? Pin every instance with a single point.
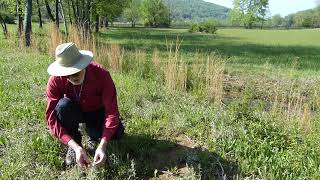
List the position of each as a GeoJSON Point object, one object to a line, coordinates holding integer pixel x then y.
{"type": "Point", "coordinates": [49, 10]}
{"type": "Point", "coordinates": [133, 24]}
{"type": "Point", "coordinates": [97, 23]}
{"type": "Point", "coordinates": [64, 17]}
{"type": "Point", "coordinates": [101, 22]}
{"type": "Point", "coordinates": [87, 16]}
{"type": "Point", "coordinates": [4, 26]}
{"type": "Point", "coordinates": [19, 17]}
{"type": "Point", "coordinates": [106, 22]}
{"type": "Point", "coordinates": [69, 12]}
{"type": "Point", "coordinates": [39, 13]}
{"type": "Point", "coordinates": [83, 10]}
{"type": "Point", "coordinates": [27, 18]}
{"type": "Point", "coordinates": [74, 12]}
{"type": "Point", "coordinates": [78, 11]}
{"type": "Point", "coordinates": [57, 13]}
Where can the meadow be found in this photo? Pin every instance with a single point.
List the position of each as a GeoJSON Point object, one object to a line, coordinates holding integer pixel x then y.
{"type": "Point", "coordinates": [238, 104]}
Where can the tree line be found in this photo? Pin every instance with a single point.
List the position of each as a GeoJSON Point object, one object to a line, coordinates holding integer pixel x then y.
{"type": "Point", "coordinates": [89, 15]}
{"type": "Point", "coordinates": [307, 19]}
{"type": "Point", "coordinates": [256, 13]}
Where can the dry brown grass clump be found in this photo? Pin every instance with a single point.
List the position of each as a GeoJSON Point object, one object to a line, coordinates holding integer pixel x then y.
{"type": "Point", "coordinates": [115, 57]}
{"type": "Point", "coordinates": [175, 70]}
{"type": "Point", "coordinates": [156, 59]}
{"type": "Point", "coordinates": [215, 78]}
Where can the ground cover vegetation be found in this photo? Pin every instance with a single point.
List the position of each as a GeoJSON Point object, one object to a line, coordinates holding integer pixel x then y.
{"type": "Point", "coordinates": [241, 103]}
{"type": "Point", "coordinates": [212, 112]}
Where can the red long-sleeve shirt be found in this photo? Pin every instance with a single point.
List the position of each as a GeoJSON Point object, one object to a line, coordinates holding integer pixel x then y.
{"type": "Point", "coordinates": [98, 92]}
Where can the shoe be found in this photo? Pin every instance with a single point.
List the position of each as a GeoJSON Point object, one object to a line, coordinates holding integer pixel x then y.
{"type": "Point", "coordinates": [91, 146]}
{"type": "Point", "coordinates": [70, 157]}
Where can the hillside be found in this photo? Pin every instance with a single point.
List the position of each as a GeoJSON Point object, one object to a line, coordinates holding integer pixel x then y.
{"type": "Point", "coordinates": [188, 10]}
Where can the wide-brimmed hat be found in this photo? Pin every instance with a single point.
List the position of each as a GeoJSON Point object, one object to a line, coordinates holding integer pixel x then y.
{"type": "Point", "coordinates": [69, 60]}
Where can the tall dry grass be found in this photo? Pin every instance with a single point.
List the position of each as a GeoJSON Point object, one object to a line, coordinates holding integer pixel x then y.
{"type": "Point", "coordinates": [215, 78]}
{"type": "Point", "coordinates": [156, 59]}
{"type": "Point", "coordinates": [55, 38]}
{"type": "Point", "coordinates": [175, 69]}
{"type": "Point", "coordinates": [115, 57]}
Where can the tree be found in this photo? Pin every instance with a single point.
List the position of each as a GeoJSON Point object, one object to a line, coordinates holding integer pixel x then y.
{"type": "Point", "coordinates": [3, 6]}
{"type": "Point", "coordinates": [132, 12]}
{"type": "Point", "coordinates": [27, 18]}
{"type": "Point", "coordinates": [49, 10]}
{"type": "Point", "coordinates": [39, 14]}
{"type": "Point", "coordinates": [288, 21]}
{"type": "Point", "coordinates": [155, 13]}
{"type": "Point", "coordinates": [108, 9]}
{"type": "Point", "coordinates": [277, 20]}
{"type": "Point", "coordinates": [19, 17]}
{"type": "Point", "coordinates": [57, 13]}
{"type": "Point", "coordinates": [3, 24]}
{"type": "Point", "coordinates": [63, 16]}
{"type": "Point", "coordinates": [7, 11]}
{"type": "Point", "coordinates": [247, 12]}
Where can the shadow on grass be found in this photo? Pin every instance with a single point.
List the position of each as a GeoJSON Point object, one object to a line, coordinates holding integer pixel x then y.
{"type": "Point", "coordinates": [163, 156]}
{"type": "Point", "coordinates": [161, 36]}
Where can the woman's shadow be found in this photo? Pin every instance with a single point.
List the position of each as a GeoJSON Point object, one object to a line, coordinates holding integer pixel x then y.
{"type": "Point", "coordinates": [171, 159]}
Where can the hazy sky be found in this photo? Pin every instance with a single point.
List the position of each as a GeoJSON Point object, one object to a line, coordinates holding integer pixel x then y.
{"type": "Point", "coordinates": [283, 7]}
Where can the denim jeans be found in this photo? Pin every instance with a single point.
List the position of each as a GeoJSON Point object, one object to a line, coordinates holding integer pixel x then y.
{"type": "Point", "coordinates": [69, 115]}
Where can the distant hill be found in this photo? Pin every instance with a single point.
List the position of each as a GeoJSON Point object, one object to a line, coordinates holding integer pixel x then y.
{"type": "Point", "coordinates": [196, 10]}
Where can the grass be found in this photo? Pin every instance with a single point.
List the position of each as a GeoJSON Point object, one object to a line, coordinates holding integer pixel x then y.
{"type": "Point", "coordinates": [245, 50]}
{"type": "Point", "coordinates": [230, 116]}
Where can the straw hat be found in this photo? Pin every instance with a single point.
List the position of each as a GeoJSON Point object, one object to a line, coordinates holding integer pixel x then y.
{"type": "Point", "coordinates": [69, 60]}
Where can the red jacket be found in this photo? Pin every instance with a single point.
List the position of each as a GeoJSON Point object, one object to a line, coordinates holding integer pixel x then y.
{"type": "Point", "coordinates": [98, 91]}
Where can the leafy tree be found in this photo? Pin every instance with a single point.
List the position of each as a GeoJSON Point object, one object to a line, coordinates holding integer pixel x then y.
{"type": "Point", "coordinates": [6, 14]}
{"type": "Point", "coordinates": [288, 21]}
{"type": "Point", "coordinates": [109, 8]}
{"type": "Point", "coordinates": [308, 18]}
{"type": "Point", "coordinates": [155, 13]}
{"type": "Point", "coordinates": [277, 20]}
{"type": "Point", "coordinates": [247, 12]}
{"type": "Point", "coordinates": [132, 12]}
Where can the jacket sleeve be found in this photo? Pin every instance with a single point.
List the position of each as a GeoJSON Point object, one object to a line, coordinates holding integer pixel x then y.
{"type": "Point", "coordinates": [54, 94]}
{"type": "Point", "coordinates": [109, 98]}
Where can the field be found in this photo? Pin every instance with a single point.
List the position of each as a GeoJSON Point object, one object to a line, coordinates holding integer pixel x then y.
{"type": "Point", "coordinates": [239, 104]}
{"type": "Point", "coordinates": [243, 49]}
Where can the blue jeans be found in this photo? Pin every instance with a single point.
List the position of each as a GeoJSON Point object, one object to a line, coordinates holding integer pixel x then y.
{"type": "Point", "coordinates": [69, 115]}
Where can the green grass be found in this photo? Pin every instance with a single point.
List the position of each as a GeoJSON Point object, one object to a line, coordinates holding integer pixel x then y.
{"type": "Point", "coordinates": [245, 50]}
{"type": "Point", "coordinates": [170, 131]}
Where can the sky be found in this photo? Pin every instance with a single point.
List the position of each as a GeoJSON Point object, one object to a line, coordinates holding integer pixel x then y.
{"type": "Point", "coordinates": [282, 7]}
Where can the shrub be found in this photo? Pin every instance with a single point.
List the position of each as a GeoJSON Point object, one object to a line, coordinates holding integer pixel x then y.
{"type": "Point", "coordinates": [194, 28]}
{"type": "Point", "coordinates": [209, 26]}
{"type": "Point", "coordinates": [8, 18]}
